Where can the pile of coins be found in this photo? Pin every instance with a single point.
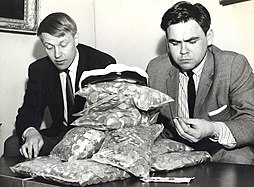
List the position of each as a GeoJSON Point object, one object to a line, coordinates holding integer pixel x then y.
{"type": "Point", "coordinates": [143, 97]}
{"type": "Point", "coordinates": [111, 119]}
{"type": "Point", "coordinates": [129, 149]}
{"type": "Point", "coordinates": [114, 134]}
{"type": "Point", "coordinates": [175, 160]}
{"type": "Point", "coordinates": [118, 104]}
{"type": "Point", "coordinates": [78, 143]}
{"type": "Point", "coordinates": [35, 167]}
{"type": "Point", "coordinates": [77, 172]}
{"type": "Point", "coordinates": [162, 146]}
{"type": "Point", "coordinates": [83, 172]}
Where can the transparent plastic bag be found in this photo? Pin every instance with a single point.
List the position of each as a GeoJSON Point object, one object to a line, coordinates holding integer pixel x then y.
{"type": "Point", "coordinates": [129, 149]}
{"type": "Point", "coordinates": [78, 143]}
{"type": "Point", "coordinates": [83, 172]}
{"type": "Point", "coordinates": [175, 160]}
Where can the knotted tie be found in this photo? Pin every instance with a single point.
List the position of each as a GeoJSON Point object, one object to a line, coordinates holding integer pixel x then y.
{"type": "Point", "coordinates": [191, 93]}
{"type": "Point", "coordinates": [69, 95]}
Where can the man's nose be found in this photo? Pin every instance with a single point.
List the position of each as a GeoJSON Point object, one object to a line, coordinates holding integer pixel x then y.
{"type": "Point", "coordinates": [58, 52]}
{"type": "Point", "coordinates": [184, 48]}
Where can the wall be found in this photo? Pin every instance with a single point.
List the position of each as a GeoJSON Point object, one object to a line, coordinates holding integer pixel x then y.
{"type": "Point", "coordinates": [127, 29]}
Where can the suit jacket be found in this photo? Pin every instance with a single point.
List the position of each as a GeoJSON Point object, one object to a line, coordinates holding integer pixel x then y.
{"type": "Point", "coordinates": [44, 90]}
{"type": "Point", "coordinates": [226, 79]}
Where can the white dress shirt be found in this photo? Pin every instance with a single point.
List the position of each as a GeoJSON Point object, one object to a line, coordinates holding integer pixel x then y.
{"type": "Point", "coordinates": [72, 72]}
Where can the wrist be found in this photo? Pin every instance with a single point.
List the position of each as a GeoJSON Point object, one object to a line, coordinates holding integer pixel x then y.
{"type": "Point", "coordinates": [216, 129]}
{"type": "Point", "coordinates": [28, 131]}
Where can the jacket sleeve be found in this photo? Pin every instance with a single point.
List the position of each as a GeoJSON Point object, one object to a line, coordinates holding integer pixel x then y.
{"type": "Point", "coordinates": [32, 111]}
{"type": "Point", "coordinates": [241, 123]}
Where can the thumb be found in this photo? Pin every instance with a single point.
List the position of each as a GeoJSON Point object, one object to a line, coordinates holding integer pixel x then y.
{"type": "Point", "coordinates": [39, 146]}
{"type": "Point", "coordinates": [189, 121]}
{"type": "Point", "coordinates": [41, 143]}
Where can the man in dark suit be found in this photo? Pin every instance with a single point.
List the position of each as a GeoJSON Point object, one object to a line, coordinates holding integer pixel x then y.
{"type": "Point", "coordinates": [214, 104]}
{"type": "Point", "coordinates": [47, 85]}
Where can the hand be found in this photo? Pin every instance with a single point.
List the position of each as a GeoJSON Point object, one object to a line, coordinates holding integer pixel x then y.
{"type": "Point", "coordinates": [33, 144]}
{"type": "Point", "coordinates": [194, 130]}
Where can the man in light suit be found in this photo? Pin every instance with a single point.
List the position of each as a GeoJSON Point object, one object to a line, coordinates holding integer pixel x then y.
{"type": "Point", "coordinates": [46, 87]}
{"type": "Point", "coordinates": [222, 120]}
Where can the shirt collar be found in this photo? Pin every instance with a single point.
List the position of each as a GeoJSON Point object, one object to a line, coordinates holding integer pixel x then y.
{"type": "Point", "coordinates": [73, 67]}
{"type": "Point", "coordinates": [197, 70]}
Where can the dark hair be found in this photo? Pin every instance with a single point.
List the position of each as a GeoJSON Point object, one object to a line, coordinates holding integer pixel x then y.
{"type": "Point", "coordinates": [57, 24]}
{"type": "Point", "coordinates": [184, 11]}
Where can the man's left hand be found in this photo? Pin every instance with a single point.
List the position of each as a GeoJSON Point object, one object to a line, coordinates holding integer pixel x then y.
{"type": "Point", "coordinates": [194, 130]}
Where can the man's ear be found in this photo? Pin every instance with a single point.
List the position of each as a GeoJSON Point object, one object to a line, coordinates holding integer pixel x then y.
{"type": "Point", "coordinates": [209, 36]}
{"type": "Point", "coordinates": [76, 39]}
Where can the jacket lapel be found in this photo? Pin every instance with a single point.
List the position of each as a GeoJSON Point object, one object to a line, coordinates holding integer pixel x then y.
{"type": "Point", "coordinates": [205, 82]}
{"type": "Point", "coordinates": [172, 84]}
{"type": "Point", "coordinates": [82, 66]}
{"type": "Point", "coordinates": [55, 85]}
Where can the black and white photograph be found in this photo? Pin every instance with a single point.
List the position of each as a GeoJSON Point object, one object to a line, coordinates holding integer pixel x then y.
{"type": "Point", "coordinates": [126, 93]}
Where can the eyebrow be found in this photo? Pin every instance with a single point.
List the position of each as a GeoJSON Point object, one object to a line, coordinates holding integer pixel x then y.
{"type": "Point", "coordinates": [188, 40]}
{"type": "Point", "coordinates": [44, 43]}
{"type": "Point", "coordinates": [53, 44]}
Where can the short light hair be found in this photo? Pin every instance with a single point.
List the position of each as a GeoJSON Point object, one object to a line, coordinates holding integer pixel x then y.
{"type": "Point", "coordinates": [57, 24]}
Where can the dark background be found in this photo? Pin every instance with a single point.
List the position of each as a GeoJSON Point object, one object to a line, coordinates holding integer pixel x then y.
{"type": "Point", "coordinates": [12, 9]}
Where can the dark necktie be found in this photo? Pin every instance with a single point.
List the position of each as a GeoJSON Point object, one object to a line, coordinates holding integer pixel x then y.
{"type": "Point", "coordinates": [191, 93]}
{"type": "Point", "coordinates": [69, 95]}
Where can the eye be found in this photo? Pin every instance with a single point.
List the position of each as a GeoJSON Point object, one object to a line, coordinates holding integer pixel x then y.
{"type": "Point", "coordinates": [174, 43]}
{"type": "Point", "coordinates": [48, 47]}
{"type": "Point", "coordinates": [193, 41]}
{"type": "Point", "coordinates": [64, 44]}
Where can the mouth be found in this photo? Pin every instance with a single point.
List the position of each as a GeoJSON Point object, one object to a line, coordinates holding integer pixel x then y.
{"type": "Point", "coordinates": [59, 62]}
{"type": "Point", "coordinates": [185, 60]}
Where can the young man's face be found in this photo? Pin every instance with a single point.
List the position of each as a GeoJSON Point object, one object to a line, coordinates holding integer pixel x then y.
{"type": "Point", "coordinates": [61, 50]}
{"type": "Point", "coordinates": [187, 43]}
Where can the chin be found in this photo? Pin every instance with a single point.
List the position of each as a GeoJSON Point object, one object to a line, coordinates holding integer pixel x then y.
{"type": "Point", "coordinates": [185, 68]}
{"type": "Point", "coordinates": [61, 67]}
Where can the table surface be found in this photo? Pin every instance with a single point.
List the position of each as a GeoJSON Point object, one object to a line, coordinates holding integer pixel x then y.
{"type": "Point", "coordinates": [206, 175]}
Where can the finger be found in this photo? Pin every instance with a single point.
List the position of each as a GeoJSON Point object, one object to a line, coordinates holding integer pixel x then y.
{"type": "Point", "coordinates": [188, 133]}
{"type": "Point", "coordinates": [24, 151]}
{"type": "Point", "coordinates": [179, 128]}
{"type": "Point", "coordinates": [35, 149]}
{"type": "Point", "coordinates": [187, 126]}
{"type": "Point", "coordinates": [41, 143]}
{"type": "Point", "coordinates": [176, 123]}
{"type": "Point", "coordinates": [21, 152]}
{"type": "Point", "coordinates": [189, 122]}
{"type": "Point", "coordinates": [30, 151]}
{"type": "Point", "coordinates": [183, 130]}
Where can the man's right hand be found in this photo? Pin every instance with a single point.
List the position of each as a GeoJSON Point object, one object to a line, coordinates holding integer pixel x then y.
{"type": "Point", "coordinates": [33, 144]}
